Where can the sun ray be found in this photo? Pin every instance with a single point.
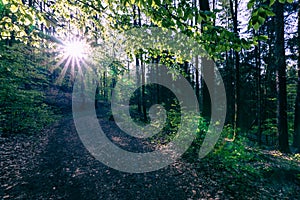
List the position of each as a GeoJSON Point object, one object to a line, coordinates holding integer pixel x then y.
{"type": "Point", "coordinates": [62, 60]}
{"type": "Point", "coordinates": [85, 64]}
{"type": "Point", "coordinates": [63, 73]}
{"type": "Point", "coordinates": [73, 69]}
{"type": "Point", "coordinates": [79, 67]}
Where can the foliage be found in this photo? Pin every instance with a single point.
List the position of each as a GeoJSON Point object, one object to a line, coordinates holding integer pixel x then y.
{"type": "Point", "coordinates": [97, 21]}
{"type": "Point", "coordinates": [269, 127]}
{"type": "Point", "coordinates": [236, 159]}
{"type": "Point", "coordinates": [262, 12]}
{"type": "Point", "coordinates": [22, 108]}
{"type": "Point", "coordinates": [18, 22]}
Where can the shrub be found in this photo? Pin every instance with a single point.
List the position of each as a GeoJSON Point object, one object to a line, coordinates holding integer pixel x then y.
{"type": "Point", "coordinates": [21, 94]}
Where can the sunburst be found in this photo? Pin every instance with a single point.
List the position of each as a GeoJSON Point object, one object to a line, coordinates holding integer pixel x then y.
{"type": "Point", "coordinates": [72, 54]}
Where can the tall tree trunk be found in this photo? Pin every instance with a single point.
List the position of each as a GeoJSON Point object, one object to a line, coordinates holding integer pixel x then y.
{"type": "Point", "coordinates": [281, 78]}
{"type": "Point", "coordinates": [234, 14]}
{"type": "Point", "coordinates": [105, 95]}
{"type": "Point", "coordinates": [143, 71]}
{"type": "Point", "coordinates": [204, 5]}
{"type": "Point", "coordinates": [197, 85]}
{"type": "Point", "coordinates": [143, 89]}
{"type": "Point", "coordinates": [296, 139]}
{"type": "Point", "coordinates": [206, 98]}
{"type": "Point", "coordinates": [137, 65]}
{"type": "Point", "coordinates": [97, 93]}
{"type": "Point", "coordinates": [157, 72]}
{"type": "Point", "coordinates": [208, 74]}
{"type": "Point", "coordinates": [138, 81]}
{"type": "Point", "coordinates": [213, 8]}
{"type": "Point", "coordinates": [229, 88]}
{"type": "Point", "coordinates": [257, 63]}
{"type": "Point", "coordinates": [197, 78]}
{"type": "Point", "coordinates": [187, 71]}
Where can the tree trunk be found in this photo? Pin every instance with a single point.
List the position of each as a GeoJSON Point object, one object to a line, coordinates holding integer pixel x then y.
{"type": "Point", "coordinates": [143, 90]}
{"type": "Point", "coordinates": [234, 13]}
{"type": "Point", "coordinates": [97, 93]}
{"type": "Point", "coordinates": [197, 78]}
{"type": "Point", "coordinates": [206, 98]}
{"type": "Point", "coordinates": [138, 81]}
{"type": "Point", "coordinates": [157, 71]}
{"type": "Point", "coordinates": [259, 112]}
{"type": "Point", "coordinates": [209, 76]}
{"type": "Point", "coordinates": [105, 95]}
{"type": "Point", "coordinates": [204, 5]}
{"type": "Point", "coordinates": [296, 139]}
{"type": "Point", "coordinates": [137, 65]}
{"type": "Point", "coordinates": [229, 88]}
{"type": "Point", "coordinates": [281, 78]}
{"type": "Point", "coordinates": [197, 85]}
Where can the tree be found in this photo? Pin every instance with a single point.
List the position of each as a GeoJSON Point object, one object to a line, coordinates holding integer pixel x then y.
{"type": "Point", "coordinates": [234, 14]}
{"type": "Point", "coordinates": [280, 64]}
{"type": "Point", "coordinates": [209, 71]}
{"type": "Point", "coordinates": [296, 139]}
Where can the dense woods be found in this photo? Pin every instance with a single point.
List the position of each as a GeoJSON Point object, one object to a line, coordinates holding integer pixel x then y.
{"type": "Point", "coordinates": [46, 46]}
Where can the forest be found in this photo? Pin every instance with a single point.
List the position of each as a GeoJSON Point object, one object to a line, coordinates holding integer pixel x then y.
{"type": "Point", "coordinates": [149, 99]}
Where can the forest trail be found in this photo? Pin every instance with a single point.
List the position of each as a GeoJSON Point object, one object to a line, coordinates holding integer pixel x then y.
{"type": "Point", "coordinates": [64, 169]}
{"type": "Point", "coordinates": [58, 166]}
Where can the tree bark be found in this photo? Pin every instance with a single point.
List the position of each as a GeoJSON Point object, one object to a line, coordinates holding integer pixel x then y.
{"type": "Point", "coordinates": [144, 105]}
{"type": "Point", "coordinates": [259, 110]}
{"type": "Point", "coordinates": [234, 13]}
{"type": "Point", "coordinates": [209, 71]}
{"type": "Point", "coordinates": [281, 78]}
{"type": "Point", "coordinates": [204, 5]}
{"type": "Point", "coordinates": [197, 78]}
{"type": "Point", "coordinates": [105, 95]}
{"type": "Point", "coordinates": [197, 85]}
{"type": "Point", "coordinates": [138, 81]}
{"type": "Point", "coordinates": [296, 136]}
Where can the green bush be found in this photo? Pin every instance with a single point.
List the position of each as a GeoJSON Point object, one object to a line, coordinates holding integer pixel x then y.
{"type": "Point", "coordinates": [21, 92]}
{"type": "Point", "coordinates": [233, 155]}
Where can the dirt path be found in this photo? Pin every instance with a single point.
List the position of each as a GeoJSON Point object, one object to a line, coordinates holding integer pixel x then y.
{"type": "Point", "coordinates": [64, 169]}
{"type": "Point", "coordinates": [56, 165]}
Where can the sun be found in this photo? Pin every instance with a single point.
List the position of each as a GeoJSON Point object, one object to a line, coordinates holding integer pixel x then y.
{"type": "Point", "coordinates": [72, 57]}
{"type": "Point", "coordinates": [74, 49]}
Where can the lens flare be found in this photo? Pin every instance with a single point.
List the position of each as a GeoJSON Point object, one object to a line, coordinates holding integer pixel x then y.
{"type": "Point", "coordinates": [72, 58]}
{"type": "Point", "coordinates": [74, 49]}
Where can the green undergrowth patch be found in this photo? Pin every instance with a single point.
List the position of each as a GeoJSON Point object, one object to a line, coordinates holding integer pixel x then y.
{"type": "Point", "coordinates": [248, 170]}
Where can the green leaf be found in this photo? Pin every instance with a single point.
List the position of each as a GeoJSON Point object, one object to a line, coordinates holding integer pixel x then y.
{"type": "Point", "coordinates": [262, 37]}
{"type": "Point", "coordinates": [270, 13]}
{"type": "Point", "coordinates": [157, 2]}
{"type": "Point", "coordinates": [13, 8]}
{"type": "Point", "coordinates": [27, 22]}
{"type": "Point", "coordinates": [5, 34]}
{"type": "Point", "coordinates": [5, 2]}
{"type": "Point", "coordinates": [261, 20]}
{"type": "Point", "coordinates": [250, 4]}
{"type": "Point", "coordinates": [272, 2]}
{"type": "Point", "coordinates": [6, 19]}
{"type": "Point", "coordinates": [256, 26]}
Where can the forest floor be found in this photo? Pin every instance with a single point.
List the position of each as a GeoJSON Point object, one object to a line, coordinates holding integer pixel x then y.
{"type": "Point", "coordinates": [56, 165]}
